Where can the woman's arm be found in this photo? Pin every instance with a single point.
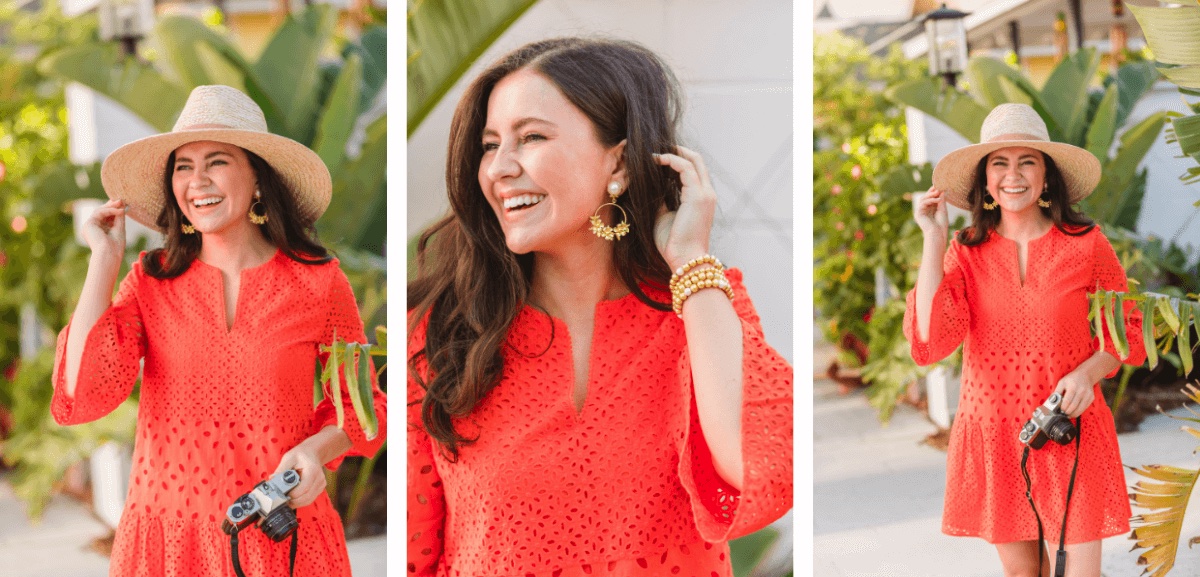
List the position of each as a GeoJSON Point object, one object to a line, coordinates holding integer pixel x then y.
{"type": "Point", "coordinates": [931, 216]}
{"type": "Point", "coordinates": [1078, 386]}
{"type": "Point", "coordinates": [105, 235]}
{"type": "Point", "coordinates": [309, 458]}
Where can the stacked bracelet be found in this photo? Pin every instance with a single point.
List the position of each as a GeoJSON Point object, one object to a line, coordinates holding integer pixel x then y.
{"type": "Point", "coordinates": [687, 282]}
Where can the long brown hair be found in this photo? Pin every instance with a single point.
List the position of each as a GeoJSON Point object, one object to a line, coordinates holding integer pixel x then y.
{"type": "Point", "coordinates": [285, 228]}
{"type": "Point", "coordinates": [1060, 211]}
{"type": "Point", "coordinates": [469, 286]}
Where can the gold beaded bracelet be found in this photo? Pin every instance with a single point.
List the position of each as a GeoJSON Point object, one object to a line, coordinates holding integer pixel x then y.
{"type": "Point", "coordinates": [684, 283]}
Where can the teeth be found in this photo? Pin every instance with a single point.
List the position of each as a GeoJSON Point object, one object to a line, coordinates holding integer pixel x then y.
{"type": "Point", "coordinates": [523, 200]}
{"type": "Point", "coordinates": [207, 201]}
{"type": "Point", "coordinates": [1015, 190]}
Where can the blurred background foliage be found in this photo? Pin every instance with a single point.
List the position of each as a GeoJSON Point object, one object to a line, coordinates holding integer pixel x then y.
{"type": "Point", "coordinates": [314, 84]}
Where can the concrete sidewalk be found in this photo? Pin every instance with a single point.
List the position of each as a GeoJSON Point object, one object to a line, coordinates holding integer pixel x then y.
{"type": "Point", "coordinates": [877, 494]}
{"type": "Point", "coordinates": [57, 545]}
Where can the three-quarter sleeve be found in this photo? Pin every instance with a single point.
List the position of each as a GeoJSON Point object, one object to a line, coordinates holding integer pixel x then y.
{"type": "Point", "coordinates": [426, 496]}
{"type": "Point", "coordinates": [721, 511]}
{"type": "Point", "coordinates": [111, 359]}
{"type": "Point", "coordinates": [1110, 275]}
{"type": "Point", "coordinates": [949, 318]}
{"type": "Point", "coordinates": [345, 323]}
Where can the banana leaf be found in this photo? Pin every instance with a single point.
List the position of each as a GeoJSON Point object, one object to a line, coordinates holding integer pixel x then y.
{"type": "Point", "coordinates": [957, 110]}
{"type": "Point", "coordinates": [1170, 32]}
{"type": "Point", "coordinates": [1068, 91]}
{"type": "Point", "coordinates": [286, 74]}
{"type": "Point", "coordinates": [1166, 494]}
{"type": "Point", "coordinates": [1103, 130]}
{"type": "Point", "coordinates": [1187, 134]}
{"type": "Point", "coordinates": [197, 55]}
{"type": "Point", "coordinates": [340, 111]}
{"type": "Point", "coordinates": [444, 38]}
{"type": "Point", "coordinates": [987, 76]}
{"type": "Point", "coordinates": [1134, 80]}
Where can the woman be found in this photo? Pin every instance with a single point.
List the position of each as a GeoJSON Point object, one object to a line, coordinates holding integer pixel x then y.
{"type": "Point", "coordinates": [1013, 287]}
{"type": "Point", "coordinates": [563, 419]}
{"type": "Point", "coordinates": [228, 318]}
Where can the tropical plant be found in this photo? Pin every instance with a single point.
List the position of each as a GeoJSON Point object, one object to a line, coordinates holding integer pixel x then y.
{"type": "Point", "coordinates": [1074, 113]}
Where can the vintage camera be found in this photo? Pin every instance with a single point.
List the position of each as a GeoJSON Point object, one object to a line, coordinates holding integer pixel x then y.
{"type": "Point", "coordinates": [267, 503]}
{"type": "Point", "coordinates": [1048, 422]}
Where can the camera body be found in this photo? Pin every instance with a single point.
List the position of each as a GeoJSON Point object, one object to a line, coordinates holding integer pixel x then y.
{"type": "Point", "coordinates": [1048, 422]}
{"type": "Point", "coordinates": [267, 503]}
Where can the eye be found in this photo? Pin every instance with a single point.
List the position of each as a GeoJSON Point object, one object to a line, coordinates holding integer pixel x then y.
{"type": "Point", "coordinates": [218, 162]}
{"type": "Point", "coordinates": [182, 167]}
{"type": "Point", "coordinates": [532, 137]}
{"type": "Point", "coordinates": [490, 146]}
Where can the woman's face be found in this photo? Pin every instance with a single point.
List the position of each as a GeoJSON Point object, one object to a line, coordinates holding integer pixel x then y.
{"type": "Point", "coordinates": [1016, 177]}
{"type": "Point", "coordinates": [543, 171]}
{"type": "Point", "coordinates": [214, 185]}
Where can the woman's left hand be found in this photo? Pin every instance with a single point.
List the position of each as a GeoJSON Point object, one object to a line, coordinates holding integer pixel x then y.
{"type": "Point", "coordinates": [1078, 392]}
{"type": "Point", "coordinates": [312, 475]}
{"type": "Point", "coordinates": [683, 234]}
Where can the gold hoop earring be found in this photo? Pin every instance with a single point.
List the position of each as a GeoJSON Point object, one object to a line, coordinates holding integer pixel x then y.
{"type": "Point", "coordinates": [255, 217]}
{"type": "Point", "coordinates": [990, 205]}
{"type": "Point", "coordinates": [187, 228]}
{"type": "Point", "coordinates": [610, 233]}
{"type": "Point", "coordinates": [1043, 202]}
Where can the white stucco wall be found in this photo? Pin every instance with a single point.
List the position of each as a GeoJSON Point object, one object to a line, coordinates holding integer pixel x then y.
{"type": "Point", "coordinates": [734, 62]}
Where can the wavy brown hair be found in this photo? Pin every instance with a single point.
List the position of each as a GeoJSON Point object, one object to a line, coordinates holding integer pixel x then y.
{"type": "Point", "coordinates": [983, 222]}
{"type": "Point", "coordinates": [469, 286]}
{"type": "Point", "coordinates": [293, 234]}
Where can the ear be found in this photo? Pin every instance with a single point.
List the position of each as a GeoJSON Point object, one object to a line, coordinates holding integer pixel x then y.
{"type": "Point", "coordinates": [616, 156]}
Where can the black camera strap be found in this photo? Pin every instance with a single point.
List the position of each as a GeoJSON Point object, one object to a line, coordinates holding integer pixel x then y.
{"type": "Point", "coordinates": [1060, 558]}
{"type": "Point", "coordinates": [237, 565]}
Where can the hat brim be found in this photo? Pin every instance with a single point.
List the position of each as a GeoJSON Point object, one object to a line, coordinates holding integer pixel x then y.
{"type": "Point", "coordinates": [954, 174]}
{"type": "Point", "coordinates": [135, 172]}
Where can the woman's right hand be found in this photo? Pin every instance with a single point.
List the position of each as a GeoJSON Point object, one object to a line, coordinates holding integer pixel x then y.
{"type": "Point", "coordinates": [104, 231]}
{"type": "Point", "coordinates": [931, 214]}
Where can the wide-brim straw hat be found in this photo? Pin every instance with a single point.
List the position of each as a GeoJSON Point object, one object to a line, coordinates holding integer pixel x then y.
{"type": "Point", "coordinates": [135, 172]}
{"type": "Point", "coordinates": [1014, 125]}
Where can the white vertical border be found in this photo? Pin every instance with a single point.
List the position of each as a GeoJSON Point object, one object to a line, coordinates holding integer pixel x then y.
{"type": "Point", "coordinates": [396, 248]}
{"type": "Point", "coordinates": [802, 271]}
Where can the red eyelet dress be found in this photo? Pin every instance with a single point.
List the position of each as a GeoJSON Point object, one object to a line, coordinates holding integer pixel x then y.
{"type": "Point", "coordinates": [218, 408]}
{"type": "Point", "coordinates": [625, 487]}
{"type": "Point", "coordinates": [1020, 339]}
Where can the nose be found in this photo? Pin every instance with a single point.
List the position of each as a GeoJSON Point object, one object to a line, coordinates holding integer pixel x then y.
{"type": "Point", "coordinates": [501, 164]}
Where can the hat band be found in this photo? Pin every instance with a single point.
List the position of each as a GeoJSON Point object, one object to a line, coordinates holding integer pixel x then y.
{"type": "Point", "coordinates": [209, 127]}
{"type": "Point", "coordinates": [1017, 136]}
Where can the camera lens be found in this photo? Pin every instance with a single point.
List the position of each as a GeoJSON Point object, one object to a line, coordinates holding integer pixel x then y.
{"type": "Point", "coordinates": [236, 512]}
{"type": "Point", "coordinates": [1062, 431]}
{"type": "Point", "coordinates": [280, 523]}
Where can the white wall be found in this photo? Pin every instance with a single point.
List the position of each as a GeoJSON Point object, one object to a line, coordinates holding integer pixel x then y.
{"type": "Point", "coordinates": [734, 62]}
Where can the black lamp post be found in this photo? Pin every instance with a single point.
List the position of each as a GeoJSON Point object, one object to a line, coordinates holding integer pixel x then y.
{"type": "Point", "coordinates": [947, 37]}
{"type": "Point", "coordinates": [125, 20]}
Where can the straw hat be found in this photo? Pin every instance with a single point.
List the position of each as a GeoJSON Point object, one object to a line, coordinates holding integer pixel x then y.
{"type": "Point", "coordinates": [135, 171]}
{"type": "Point", "coordinates": [1014, 125]}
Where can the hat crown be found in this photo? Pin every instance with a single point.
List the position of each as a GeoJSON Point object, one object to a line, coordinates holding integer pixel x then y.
{"type": "Point", "coordinates": [1013, 122]}
{"type": "Point", "coordinates": [220, 106]}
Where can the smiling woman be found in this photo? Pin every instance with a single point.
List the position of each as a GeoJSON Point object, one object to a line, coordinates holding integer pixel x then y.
{"type": "Point", "coordinates": [580, 403]}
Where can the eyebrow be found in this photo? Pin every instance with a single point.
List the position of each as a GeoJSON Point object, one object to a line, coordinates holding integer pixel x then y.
{"type": "Point", "coordinates": [1022, 157]}
{"type": "Point", "coordinates": [519, 124]}
{"type": "Point", "coordinates": [206, 156]}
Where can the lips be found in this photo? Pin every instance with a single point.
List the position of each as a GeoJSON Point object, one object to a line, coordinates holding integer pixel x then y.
{"type": "Point", "coordinates": [207, 201]}
{"type": "Point", "coordinates": [522, 201]}
{"type": "Point", "coordinates": [1014, 189]}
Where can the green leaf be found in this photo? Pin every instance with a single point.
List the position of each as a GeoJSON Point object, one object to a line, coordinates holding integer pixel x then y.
{"type": "Point", "coordinates": [358, 383]}
{"type": "Point", "coordinates": [1170, 32]}
{"type": "Point", "coordinates": [103, 67]}
{"type": "Point", "coordinates": [957, 110]}
{"type": "Point", "coordinates": [287, 73]}
{"type": "Point", "coordinates": [1098, 317]}
{"type": "Point", "coordinates": [1185, 337]}
{"type": "Point", "coordinates": [1104, 125]}
{"type": "Point", "coordinates": [1134, 80]}
{"type": "Point", "coordinates": [362, 223]}
{"type": "Point", "coordinates": [1148, 343]}
{"type": "Point", "coordinates": [1066, 94]}
{"type": "Point", "coordinates": [1166, 308]}
{"type": "Point", "coordinates": [335, 376]}
{"type": "Point", "coordinates": [1187, 134]}
{"type": "Point", "coordinates": [1120, 339]}
{"type": "Point", "coordinates": [987, 76]}
{"type": "Point", "coordinates": [197, 55]}
{"type": "Point", "coordinates": [339, 114]}
{"type": "Point", "coordinates": [444, 38]}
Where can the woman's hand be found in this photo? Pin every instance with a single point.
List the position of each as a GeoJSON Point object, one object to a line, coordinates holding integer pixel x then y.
{"type": "Point", "coordinates": [312, 474]}
{"type": "Point", "coordinates": [1078, 392]}
{"type": "Point", "coordinates": [104, 231]}
{"type": "Point", "coordinates": [931, 215]}
{"type": "Point", "coordinates": [682, 235]}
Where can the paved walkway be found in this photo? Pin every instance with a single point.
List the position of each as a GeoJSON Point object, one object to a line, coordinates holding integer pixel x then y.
{"type": "Point", "coordinates": [877, 494]}
{"type": "Point", "coordinates": [57, 545]}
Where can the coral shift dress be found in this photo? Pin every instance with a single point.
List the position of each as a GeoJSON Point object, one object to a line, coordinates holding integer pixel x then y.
{"type": "Point", "coordinates": [1019, 340]}
{"type": "Point", "coordinates": [217, 410]}
{"type": "Point", "coordinates": [624, 487]}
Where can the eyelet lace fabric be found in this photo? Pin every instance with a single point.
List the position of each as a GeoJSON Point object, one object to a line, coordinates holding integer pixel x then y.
{"type": "Point", "coordinates": [1019, 340]}
{"type": "Point", "coordinates": [218, 408]}
{"type": "Point", "coordinates": [624, 487]}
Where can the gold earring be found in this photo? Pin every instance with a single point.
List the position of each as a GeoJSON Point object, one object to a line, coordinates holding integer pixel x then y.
{"type": "Point", "coordinates": [1043, 202]}
{"type": "Point", "coordinates": [254, 216]}
{"type": "Point", "coordinates": [187, 228]}
{"type": "Point", "coordinates": [603, 231]}
{"type": "Point", "coordinates": [990, 205]}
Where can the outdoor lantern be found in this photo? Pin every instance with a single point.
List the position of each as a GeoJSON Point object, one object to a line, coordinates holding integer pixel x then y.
{"type": "Point", "coordinates": [947, 38]}
{"type": "Point", "coordinates": [125, 20]}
